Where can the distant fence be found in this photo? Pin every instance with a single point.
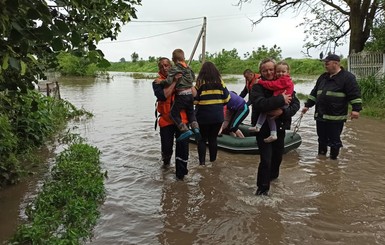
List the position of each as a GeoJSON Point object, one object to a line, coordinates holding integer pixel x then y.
{"type": "Point", "coordinates": [365, 64]}
{"type": "Point", "coordinates": [50, 88]}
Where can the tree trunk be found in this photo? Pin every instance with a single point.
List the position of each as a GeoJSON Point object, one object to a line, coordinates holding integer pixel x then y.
{"type": "Point", "coordinates": [361, 22]}
{"type": "Point", "coordinates": [356, 43]}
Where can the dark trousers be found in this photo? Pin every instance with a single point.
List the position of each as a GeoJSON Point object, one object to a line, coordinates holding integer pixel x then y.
{"type": "Point", "coordinates": [254, 116]}
{"type": "Point", "coordinates": [183, 102]}
{"type": "Point", "coordinates": [329, 134]}
{"type": "Point", "coordinates": [270, 157]}
{"type": "Point", "coordinates": [209, 133]}
{"type": "Point", "coordinates": [167, 135]}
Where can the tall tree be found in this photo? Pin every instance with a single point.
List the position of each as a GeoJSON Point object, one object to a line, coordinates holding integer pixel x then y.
{"type": "Point", "coordinates": [331, 22]}
{"type": "Point", "coordinates": [32, 33]}
{"type": "Point", "coordinates": [376, 43]}
{"type": "Point", "coordinates": [134, 57]}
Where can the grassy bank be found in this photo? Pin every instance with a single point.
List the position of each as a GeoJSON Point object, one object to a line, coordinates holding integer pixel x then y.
{"type": "Point", "coordinates": [66, 209]}
{"type": "Point", "coordinates": [373, 96]}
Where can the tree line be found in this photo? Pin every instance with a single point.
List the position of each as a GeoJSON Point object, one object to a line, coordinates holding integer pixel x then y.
{"type": "Point", "coordinates": [230, 62]}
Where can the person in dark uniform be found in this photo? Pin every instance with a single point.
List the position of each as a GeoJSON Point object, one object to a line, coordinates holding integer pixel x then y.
{"type": "Point", "coordinates": [262, 99]}
{"type": "Point", "coordinates": [333, 92]}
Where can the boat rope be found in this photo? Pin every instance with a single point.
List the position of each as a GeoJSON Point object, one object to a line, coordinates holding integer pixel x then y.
{"type": "Point", "coordinates": [297, 123]}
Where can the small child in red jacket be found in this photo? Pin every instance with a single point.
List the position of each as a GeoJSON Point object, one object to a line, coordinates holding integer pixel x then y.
{"type": "Point", "coordinates": [282, 84]}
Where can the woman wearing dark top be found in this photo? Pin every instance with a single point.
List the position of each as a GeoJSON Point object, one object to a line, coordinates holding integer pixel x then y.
{"type": "Point", "coordinates": [211, 95]}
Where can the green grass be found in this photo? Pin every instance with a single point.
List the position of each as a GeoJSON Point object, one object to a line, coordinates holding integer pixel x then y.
{"type": "Point", "coordinates": [66, 209]}
{"type": "Point", "coordinates": [143, 76]}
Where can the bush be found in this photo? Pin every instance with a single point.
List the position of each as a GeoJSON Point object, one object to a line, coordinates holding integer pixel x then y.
{"type": "Point", "coordinates": [66, 209]}
{"type": "Point", "coordinates": [26, 122]}
{"type": "Point", "coordinates": [373, 96]}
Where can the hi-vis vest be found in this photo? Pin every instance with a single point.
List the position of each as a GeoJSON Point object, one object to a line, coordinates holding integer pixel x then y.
{"type": "Point", "coordinates": [164, 108]}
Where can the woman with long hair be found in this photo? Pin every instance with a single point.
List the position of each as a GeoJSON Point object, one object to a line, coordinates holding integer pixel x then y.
{"type": "Point", "coordinates": [211, 96]}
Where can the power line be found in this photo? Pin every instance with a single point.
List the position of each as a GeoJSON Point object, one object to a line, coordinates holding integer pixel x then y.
{"type": "Point", "coordinates": [214, 18]}
{"type": "Point", "coordinates": [161, 34]}
{"type": "Point", "coordinates": [218, 17]}
{"type": "Point", "coordinates": [164, 21]}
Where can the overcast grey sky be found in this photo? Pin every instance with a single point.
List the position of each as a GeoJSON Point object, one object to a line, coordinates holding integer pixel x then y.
{"type": "Point", "coordinates": [228, 27]}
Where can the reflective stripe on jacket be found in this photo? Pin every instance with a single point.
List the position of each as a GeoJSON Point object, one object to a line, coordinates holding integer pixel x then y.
{"type": "Point", "coordinates": [332, 95]}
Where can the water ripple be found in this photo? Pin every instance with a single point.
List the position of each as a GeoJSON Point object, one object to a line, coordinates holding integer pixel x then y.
{"type": "Point", "coordinates": [315, 200]}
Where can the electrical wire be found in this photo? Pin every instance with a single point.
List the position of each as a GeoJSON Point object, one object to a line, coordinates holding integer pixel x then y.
{"type": "Point", "coordinates": [157, 35]}
{"type": "Point", "coordinates": [213, 18]}
{"type": "Point", "coordinates": [164, 21]}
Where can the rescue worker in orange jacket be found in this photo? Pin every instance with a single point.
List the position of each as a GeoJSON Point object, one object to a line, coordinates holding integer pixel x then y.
{"type": "Point", "coordinates": [168, 130]}
{"type": "Point", "coordinates": [251, 78]}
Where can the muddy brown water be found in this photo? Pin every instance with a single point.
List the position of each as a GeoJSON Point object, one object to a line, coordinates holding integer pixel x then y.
{"type": "Point", "coordinates": [314, 201]}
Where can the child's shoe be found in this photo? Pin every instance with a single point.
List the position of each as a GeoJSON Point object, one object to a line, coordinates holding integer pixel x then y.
{"type": "Point", "coordinates": [197, 134]}
{"type": "Point", "coordinates": [184, 135]}
{"type": "Point", "coordinates": [270, 139]}
{"type": "Point", "coordinates": [254, 129]}
{"type": "Point", "coordinates": [195, 128]}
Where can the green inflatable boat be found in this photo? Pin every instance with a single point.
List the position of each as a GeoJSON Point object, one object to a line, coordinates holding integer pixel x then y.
{"type": "Point", "coordinates": [248, 145]}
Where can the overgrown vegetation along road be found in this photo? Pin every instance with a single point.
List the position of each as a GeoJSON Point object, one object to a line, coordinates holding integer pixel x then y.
{"type": "Point", "coordinates": [66, 209]}
{"type": "Point", "coordinates": [27, 121]}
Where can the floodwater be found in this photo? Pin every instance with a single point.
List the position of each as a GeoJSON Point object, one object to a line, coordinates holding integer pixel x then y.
{"type": "Point", "coordinates": [314, 201]}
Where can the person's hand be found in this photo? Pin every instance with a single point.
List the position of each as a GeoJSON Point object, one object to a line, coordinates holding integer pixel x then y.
{"type": "Point", "coordinates": [305, 109]}
{"type": "Point", "coordinates": [177, 76]}
{"type": "Point", "coordinates": [286, 97]}
{"type": "Point", "coordinates": [354, 115]}
{"type": "Point", "coordinates": [275, 113]}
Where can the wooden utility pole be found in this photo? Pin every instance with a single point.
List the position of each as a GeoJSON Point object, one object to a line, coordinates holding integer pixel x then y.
{"type": "Point", "coordinates": [202, 35]}
{"type": "Point", "coordinates": [204, 40]}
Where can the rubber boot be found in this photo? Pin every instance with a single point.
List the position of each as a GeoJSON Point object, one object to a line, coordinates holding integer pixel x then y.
{"type": "Point", "coordinates": [262, 192]}
{"type": "Point", "coordinates": [166, 161]}
{"type": "Point", "coordinates": [322, 149]}
{"type": "Point", "coordinates": [195, 129]}
{"type": "Point", "coordinates": [185, 132]}
{"type": "Point", "coordinates": [334, 152]}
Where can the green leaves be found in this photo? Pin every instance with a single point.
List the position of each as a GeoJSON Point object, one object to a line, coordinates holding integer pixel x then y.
{"type": "Point", "coordinates": [26, 121]}
{"type": "Point", "coordinates": [33, 14]}
{"type": "Point", "coordinates": [57, 44]}
{"type": "Point", "coordinates": [44, 33]}
{"type": "Point", "coordinates": [34, 28]}
{"type": "Point", "coordinates": [66, 209]}
{"type": "Point", "coordinates": [15, 63]}
{"type": "Point", "coordinates": [23, 67]}
{"type": "Point", "coordinates": [5, 61]}
{"type": "Point", "coordinates": [62, 27]}
{"type": "Point", "coordinates": [75, 39]}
